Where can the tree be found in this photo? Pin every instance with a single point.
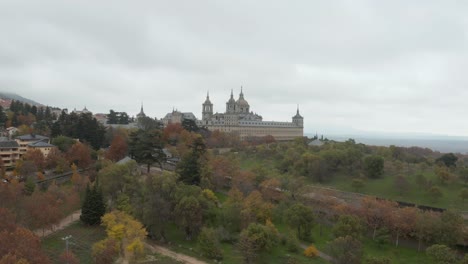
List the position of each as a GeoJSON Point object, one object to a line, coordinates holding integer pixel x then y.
{"type": "Point", "coordinates": [188, 214]}
{"type": "Point", "coordinates": [255, 209]}
{"type": "Point", "coordinates": [348, 225]}
{"type": "Point", "coordinates": [80, 155]}
{"type": "Point", "coordinates": [118, 149]}
{"type": "Point", "coordinates": [443, 174]}
{"type": "Point", "coordinates": [345, 250]}
{"type": "Point", "coordinates": [35, 156]}
{"type": "Point", "coordinates": [421, 180]}
{"type": "Point", "coordinates": [449, 160]}
{"type": "Point", "coordinates": [105, 251]}
{"type": "Point", "coordinates": [93, 206]}
{"type": "Point", "coordinates": [146, 146]}
{"type": "Point", "coordinates": [159, 192]}
{"type": "Point", "coordinates": [126, 231]}
{"type": "Point", "coordinates": [232, 208]}
{"type": "Point", "coordinates": [147, 123]}
{"type": "Point", "coordinates": [209, 245]}
{"type": "Point", "coordinates": [374, 165]}
{"type": "Point", "coordinates": [190, 167]}
{"type": "Point", "coordinates": [19, 245]}
{"type": "Point", "coordinates": [441, 254]}
{"type": "Point", "coordinates": [450, 228]}
{"type": "Point", "coordinates": [271, 190]}
{"type": "Point", "coordinates": [63, 143]}
{"type": "Point", "coordinates": [300, 217]}
{"type": "Point", "coordinates": [255, 239]}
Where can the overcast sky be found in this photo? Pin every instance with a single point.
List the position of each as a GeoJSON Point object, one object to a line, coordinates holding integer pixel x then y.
{"type": "Point", "coordinates": [393, 66]}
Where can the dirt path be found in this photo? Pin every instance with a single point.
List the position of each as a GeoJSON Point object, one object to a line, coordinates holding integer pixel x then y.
{"type": "Point", "coordinates": [75, 216]}
{"type": "Point", "coordinates": [177, 256]}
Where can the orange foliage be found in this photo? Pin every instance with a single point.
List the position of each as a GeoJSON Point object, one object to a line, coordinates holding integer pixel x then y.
{"type": "Point", "coordinates": [118, 148]}
{"type": "Point", "coordinates": [311, 251]}
{"type": "Point", "coordinates": [80, 154]}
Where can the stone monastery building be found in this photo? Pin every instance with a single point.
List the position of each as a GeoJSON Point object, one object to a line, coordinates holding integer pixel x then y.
{"type": "Point", "coordinates": [238, 118]}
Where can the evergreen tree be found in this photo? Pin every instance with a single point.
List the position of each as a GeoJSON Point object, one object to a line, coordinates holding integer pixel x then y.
{"type": "Point", "coordinates": [93, 206]}
{"type": "Point", "coordinates": [190, 167]}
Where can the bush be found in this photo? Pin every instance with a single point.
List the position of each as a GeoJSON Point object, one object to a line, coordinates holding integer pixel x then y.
{"type": "Point", "coordinates": [311, 252]}
{"type": "Point", "coordinates": [209, 244]}
{"type": "Point", "coordinates": [292, 243]}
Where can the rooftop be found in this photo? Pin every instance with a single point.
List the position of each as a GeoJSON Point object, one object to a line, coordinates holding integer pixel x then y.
{"type": "Point", "coordinates": [40, 144]}
{"type": "Point", "coordinates": [31, 137]}
{"type": "Point", "coordinates": [9, 144]}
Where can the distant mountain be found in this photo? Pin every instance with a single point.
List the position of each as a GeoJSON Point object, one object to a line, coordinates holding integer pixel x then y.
{"type": "Point", "coordinates": [12, 96]}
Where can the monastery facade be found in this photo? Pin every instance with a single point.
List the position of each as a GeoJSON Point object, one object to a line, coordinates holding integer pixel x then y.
{"type": "Point", "coordinates": [238, 118]}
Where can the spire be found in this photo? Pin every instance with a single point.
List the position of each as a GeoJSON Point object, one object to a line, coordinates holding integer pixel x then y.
{"type": "Point", "coordinates": [207, 94]}
{"type": "Point", "coordinates": [232, 94]}
{"type": "Point", "coordinates": [298, 109]}
{"type": "Point", "coordinates": [241, 95]}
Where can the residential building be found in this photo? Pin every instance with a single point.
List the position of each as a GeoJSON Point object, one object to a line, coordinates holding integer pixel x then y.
{"type": "Point", "coordinates": [9, 152]}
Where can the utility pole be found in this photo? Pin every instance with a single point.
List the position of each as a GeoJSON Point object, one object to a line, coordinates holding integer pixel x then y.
{"type": "Point", "coordinates": [66, 244]}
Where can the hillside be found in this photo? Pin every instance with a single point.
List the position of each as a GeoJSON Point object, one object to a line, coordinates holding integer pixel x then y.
{"type": "Point", "coordinates": [5, 99]}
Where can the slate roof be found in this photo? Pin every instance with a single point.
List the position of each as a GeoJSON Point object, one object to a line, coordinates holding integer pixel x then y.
{"type": "Point", "coordinates": [31, 137]}
{"type": "Point", "coordinates": [9, 144]}
{"type": "Point", "coordinates": [40, 144]}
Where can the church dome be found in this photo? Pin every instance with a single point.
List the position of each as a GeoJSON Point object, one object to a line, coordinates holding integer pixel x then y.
{"type": "Point", "coordinates": [242, 102]}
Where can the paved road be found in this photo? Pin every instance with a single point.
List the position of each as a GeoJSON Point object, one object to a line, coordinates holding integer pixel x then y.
{"type": "Point", "coordinates": [177, 256]}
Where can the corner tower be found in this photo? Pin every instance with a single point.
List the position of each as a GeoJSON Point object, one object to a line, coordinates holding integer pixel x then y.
{"type": "Point", "coordinates": [207, 111]}
{"type": "Point", "coordinates": [298, 120]}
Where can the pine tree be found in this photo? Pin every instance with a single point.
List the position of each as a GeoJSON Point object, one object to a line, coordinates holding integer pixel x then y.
{"type": "Point", "coordinates": [93, 206]}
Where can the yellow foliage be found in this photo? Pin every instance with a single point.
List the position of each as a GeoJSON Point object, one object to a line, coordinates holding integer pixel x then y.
{"type": "Point", "coordinates": [129, 232]}
{"type": "Point", "coordinates": [209, 194]}
{"type": "Point", "coordinates": [311, 251]}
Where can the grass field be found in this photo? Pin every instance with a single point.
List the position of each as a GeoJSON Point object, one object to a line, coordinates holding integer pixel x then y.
{"type": "Point", "coordinates": [383, 187]}
{"type": "Point", "coordinates": [83, 238]}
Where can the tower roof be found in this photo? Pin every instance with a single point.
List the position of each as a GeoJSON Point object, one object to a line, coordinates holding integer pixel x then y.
{"type": "Point", "coordinates": [231, 99]}
{"type": "Point", "coordinates": [207, 101]}
{"type": "Point", "coordinates": [242, 101]}
{"type": "Point", "coordinates": [297, 113]}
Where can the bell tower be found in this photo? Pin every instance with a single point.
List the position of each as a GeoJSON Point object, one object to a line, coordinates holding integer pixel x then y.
{"type": "Point", "coordinates": [207, 111]}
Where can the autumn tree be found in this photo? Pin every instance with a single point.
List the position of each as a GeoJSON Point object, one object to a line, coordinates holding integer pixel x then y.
{"type": "Point", "coordinates": [21, 244]}
{"type": "Point", "coordinates": [105, 251]}
{"type": "Point", "coordinates": [126, 231]}
{"type": "Point", "coordinates": [118, 148]}
{"type": "Point", "coordinates": [255, 209]}
{"type": "Point", "coordinates": [271, 190]}
{"type": "Point", "coordinates": [402, 222]}
{"type": "Point", "coordinates": [35, 156]}
{"type": "Point", "coordinates": [79, 154]}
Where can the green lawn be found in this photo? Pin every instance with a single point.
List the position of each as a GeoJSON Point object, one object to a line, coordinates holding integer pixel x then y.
{"type": "Point", "coordinates": [83, 238]}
